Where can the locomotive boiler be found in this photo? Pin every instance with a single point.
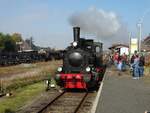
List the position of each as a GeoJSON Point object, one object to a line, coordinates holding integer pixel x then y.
{"type": "Point", "coordinates": [82, 64]}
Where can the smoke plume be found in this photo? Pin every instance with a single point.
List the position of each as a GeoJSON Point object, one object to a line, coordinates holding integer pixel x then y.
{"type": "Point", "coordinates": [107, 26]}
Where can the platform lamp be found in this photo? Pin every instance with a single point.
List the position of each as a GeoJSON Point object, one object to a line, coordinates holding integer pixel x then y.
{"type": "Point", "coordinates": [139, 25]}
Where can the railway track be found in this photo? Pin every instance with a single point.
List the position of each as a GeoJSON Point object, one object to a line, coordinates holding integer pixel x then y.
{"type": "Point", "coordinates": [40, 102]}
{"type": "Point", "coordinates": [66, 102]}
{"type": "Point", "coordinates": [61, 102]}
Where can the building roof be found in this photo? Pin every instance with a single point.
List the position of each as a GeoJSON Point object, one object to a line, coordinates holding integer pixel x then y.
{"type": "Point", "coordinates": [118, 46]}
{"type": "Point", "coordinates": [146, 41]}
{"type": "Point", "coordinates": [146, 44]}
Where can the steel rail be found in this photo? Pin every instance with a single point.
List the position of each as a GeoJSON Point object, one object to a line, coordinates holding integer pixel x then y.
{"type": "Point", "coordinates": [81, 102]}
{"type": "Point", "coordinates": [51, 102]}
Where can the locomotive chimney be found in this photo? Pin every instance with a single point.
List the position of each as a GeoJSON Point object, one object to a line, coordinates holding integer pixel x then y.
{"type": "Point", "coordinates": [76, 34]}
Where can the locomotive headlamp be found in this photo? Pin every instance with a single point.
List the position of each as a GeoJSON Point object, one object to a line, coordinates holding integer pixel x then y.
{"type": "Point", "coordinates": [88, 69]}
{"type": "Point", "coordinates": [74, 44]}
{"type": "Point", "coordinates": [59, 69]}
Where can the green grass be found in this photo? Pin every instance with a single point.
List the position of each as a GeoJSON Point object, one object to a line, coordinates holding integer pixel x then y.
{"type": "Point", "coordinates": [21, 97]}
{"type": "Point", "coordinates": [15, 69]}
{"type": "Point", "coordinates": [23, 91]}
{"type": "Point", "coordinates": [5, 71]}
{"type": "Point", "coordinates": [46, 68]}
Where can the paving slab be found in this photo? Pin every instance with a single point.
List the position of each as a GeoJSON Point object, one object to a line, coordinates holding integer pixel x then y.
{"type": "Point", "coordinates": [122, 94]}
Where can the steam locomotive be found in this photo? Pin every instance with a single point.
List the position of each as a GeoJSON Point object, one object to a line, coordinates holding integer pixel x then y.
{"type": "Point", "coordinates": [82, 64]}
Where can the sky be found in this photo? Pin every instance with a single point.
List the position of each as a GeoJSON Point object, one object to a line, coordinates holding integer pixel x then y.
{"type": "Point", "coordinates": [48, 21]}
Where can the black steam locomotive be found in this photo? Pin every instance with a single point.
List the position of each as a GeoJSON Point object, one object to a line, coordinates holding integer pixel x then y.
{"type": "Point", "coordinates": [82, 64]}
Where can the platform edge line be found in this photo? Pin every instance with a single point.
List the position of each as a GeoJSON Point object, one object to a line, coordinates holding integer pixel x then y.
{"type": "Point", "coordinates": [93, 110]}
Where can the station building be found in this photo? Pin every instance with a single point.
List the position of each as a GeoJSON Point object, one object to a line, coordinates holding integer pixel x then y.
{"type": "Point", "coordinates": [121, 48]}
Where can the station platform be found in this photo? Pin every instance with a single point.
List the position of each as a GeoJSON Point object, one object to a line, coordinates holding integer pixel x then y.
{"type": "Point", "coordinates": [122, 94]}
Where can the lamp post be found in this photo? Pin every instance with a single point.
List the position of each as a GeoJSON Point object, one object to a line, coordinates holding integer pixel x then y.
{"type": "Point", "coordinates": [129, 43]}
{"type": "Point", "coordinates": [140, 34]}
{"type": "Point", "coordinates": [139, 24]}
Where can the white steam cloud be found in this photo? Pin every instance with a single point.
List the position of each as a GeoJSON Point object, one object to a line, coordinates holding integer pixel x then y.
{"type": "Point", "coordinates": [105, 25]}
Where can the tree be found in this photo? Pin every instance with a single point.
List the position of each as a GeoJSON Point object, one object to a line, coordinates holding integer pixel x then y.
{"type": "Point", "coordinates": [9, 44]}
{"type": "Point", "coordinates": [2, 41]}
{"type": "Point", "coordinates": [16, 37]}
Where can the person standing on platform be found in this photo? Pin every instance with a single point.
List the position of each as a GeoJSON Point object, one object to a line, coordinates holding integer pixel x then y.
{"type": "Point", "coordinates": [141, 65]}
{"type": "Point", "coordinates": [132, 62]}
{"type": "Point", "coordinates": [115, 58]}
{"type": "Point", "coordinates": [124, 61]}
{"type": "Point", "coordinates": [119, 66]}
{"type": "Point", "coordinates": [136, 67]}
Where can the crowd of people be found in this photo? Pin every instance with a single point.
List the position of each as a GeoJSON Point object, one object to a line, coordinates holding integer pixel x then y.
{"type": "Point", "coordinates": [120, 61]}
{"type": "Point", "coordinates": [136, 63]}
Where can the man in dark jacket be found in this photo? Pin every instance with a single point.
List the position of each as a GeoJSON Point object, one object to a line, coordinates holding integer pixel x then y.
{"type": "Point", "coordinates": [132, 62]}
{"type": "Point", "coordinates": [141, 65]}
